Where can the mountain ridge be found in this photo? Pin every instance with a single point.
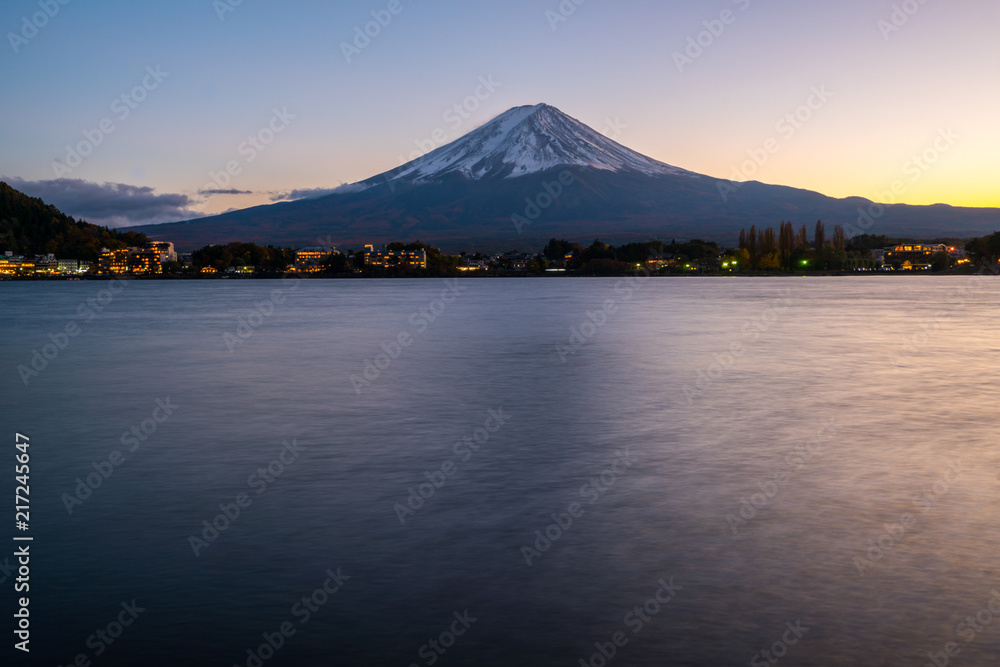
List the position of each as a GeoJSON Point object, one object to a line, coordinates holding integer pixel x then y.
{"type": "Point", "coordinates": [477, 193]}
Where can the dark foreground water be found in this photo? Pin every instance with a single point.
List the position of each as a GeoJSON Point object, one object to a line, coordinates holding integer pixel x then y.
{"type": "Point", "coordinates": [804, 466]}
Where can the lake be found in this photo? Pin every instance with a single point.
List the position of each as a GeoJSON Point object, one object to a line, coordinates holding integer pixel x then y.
{"type": "Point", "coordinates": [509, 472]}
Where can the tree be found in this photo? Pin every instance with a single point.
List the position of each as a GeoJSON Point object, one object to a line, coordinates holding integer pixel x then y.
{"type": "Point", "coordinates": [243, 254]}
{"type": "Point", "coordinates": [768, 244]}
{"type": "Point", "coordinates": [940, 262]}
{"type": "Point", "coordinates": [820, 238]}
{"type": "Point", "coordinates": [335, 263]}
{"type": "Point", "coordinates": [556, 250]}
{"type": "Point", "coordinates": [786, 244]}
{"type": "Point", "coordinates": [171, 268]}
{"type": "Point", "coordinates": [770, 261]}
{"type": "Point", "coordinates": [985, 249]}
{"type": "Point", "coordinates": [802, 239]}
{"type": "Point", "coordinates": [752, 246]}
{"type": "Point", "coordinates": [839, 239]}
{"type": "Point", "coordinates": [736, 260]}
{"type": "Point", "coordinates": [596, 250]}
{"type": "Point", "coordinates": [865, 242]}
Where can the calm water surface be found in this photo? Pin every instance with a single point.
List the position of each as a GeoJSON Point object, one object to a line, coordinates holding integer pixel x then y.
{"type": "Point", "coordinates": [815, 453]}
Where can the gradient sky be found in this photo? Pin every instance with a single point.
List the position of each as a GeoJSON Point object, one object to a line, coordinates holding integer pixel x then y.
{"type": "Point", "coordinates": [892, 94]}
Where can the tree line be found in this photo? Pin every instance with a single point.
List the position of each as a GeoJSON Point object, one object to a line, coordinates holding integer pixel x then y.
{"type": "Point", "coordinates": [985, 249]}
{"type": "Point", "coordinates": [600, 258]}
{"type": "Point", "coordinates": [790, 249]}
{"type": "Point", "coordinates": [271, 259]}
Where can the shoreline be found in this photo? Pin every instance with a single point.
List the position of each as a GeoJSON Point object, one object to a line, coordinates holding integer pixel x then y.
{"type": "Point", "coordinates": [279, 276]}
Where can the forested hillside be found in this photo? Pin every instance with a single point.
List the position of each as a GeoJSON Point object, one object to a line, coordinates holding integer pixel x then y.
{"type": "Point", "coordinates": [29, 226]}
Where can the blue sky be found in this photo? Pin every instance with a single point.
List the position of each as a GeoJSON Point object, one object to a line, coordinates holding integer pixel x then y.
{"type": "Point", "coordinates": [879, 92]}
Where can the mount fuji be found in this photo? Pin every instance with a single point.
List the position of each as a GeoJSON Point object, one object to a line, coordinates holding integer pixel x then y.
{"type": "Point", "coordinates": [534, 173]}
{"type": "Point", "coordinates": [525, 141]}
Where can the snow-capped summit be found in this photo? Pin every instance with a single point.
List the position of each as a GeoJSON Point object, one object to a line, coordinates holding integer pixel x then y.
{"type": "Point", "coordinates": [527, 140]}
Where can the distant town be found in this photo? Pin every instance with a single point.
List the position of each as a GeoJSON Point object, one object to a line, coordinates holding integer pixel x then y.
{"type": "Point", "coordinates": [39, 242]}
{"type": "Point", "coordinates": [759, 252]}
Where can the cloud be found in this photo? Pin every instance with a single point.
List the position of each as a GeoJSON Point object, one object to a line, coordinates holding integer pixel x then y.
{"type": "Point", "coordinates": [315, 193]}
{"type": "Point", "coordinates": [205, 193]}
{"type": "Point", "coordinates": [109, 204]}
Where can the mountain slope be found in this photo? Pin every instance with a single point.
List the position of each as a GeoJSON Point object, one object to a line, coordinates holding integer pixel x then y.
{"type": "Point", "coordinates": [523, 141]}
{"type": "Point", "coordinates": [29, 226]}
{"type": "Point", "coordinates": [534, 173]}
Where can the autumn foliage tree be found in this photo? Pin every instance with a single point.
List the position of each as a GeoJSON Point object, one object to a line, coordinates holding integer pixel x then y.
{"type": "Point", "coordinates": [762, 247]}
{"type": "Point", "coordinates": [802, 239]}
{"type": "Point", "coordinates": [786, 244]}
{"type": "Point", "coordinates": [839, 240]}
{"type": "Point", "coordinates": [819, 238]}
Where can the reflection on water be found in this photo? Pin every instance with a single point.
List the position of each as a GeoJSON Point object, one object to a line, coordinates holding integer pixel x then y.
{"type": "Point", "coordinates": [680, 472]}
